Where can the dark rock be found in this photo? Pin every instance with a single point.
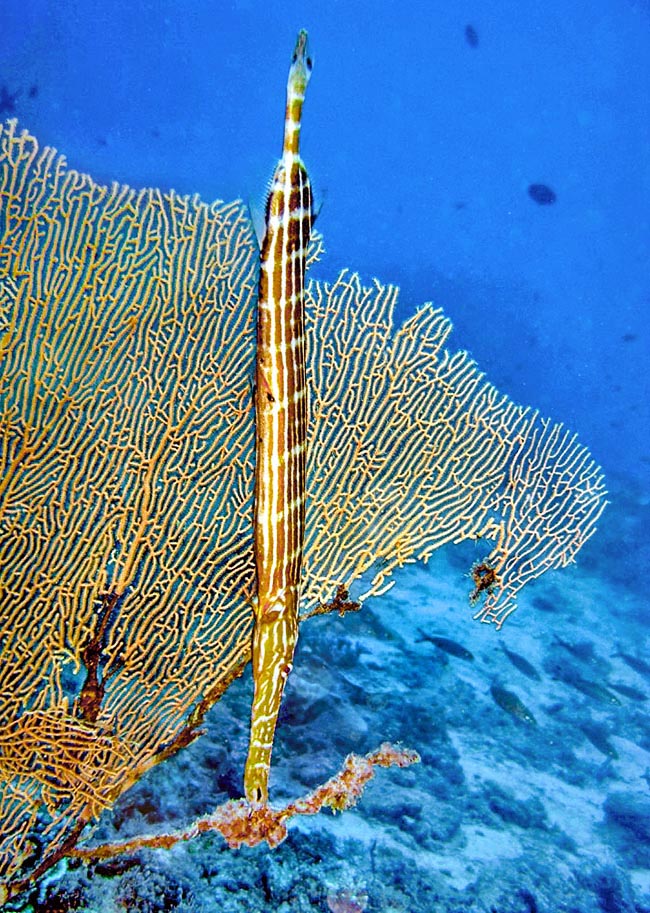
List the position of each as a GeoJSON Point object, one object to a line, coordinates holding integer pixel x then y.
{"type": "Point", "coordinates": [612, 894]}
{"type": "Point", "coordinates": [138, 802]}
{"type": "Point", "coordinates": [153, 892]}
{"type": "Point", "coordinates": [60, 900]}
{"type": "Point", "coordinates": [113, 868]}
{"type": "Point", "coordinates": [628, 816]}
{"type": "Point", "coordinates": [631, 812]}
{"type": "Point", "coordinates": [528, 813]}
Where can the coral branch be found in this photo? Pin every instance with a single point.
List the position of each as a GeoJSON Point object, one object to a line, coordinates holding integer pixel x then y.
{"type": "Point", "coordinates": [127, 448]}
{"type": "Point", "coordinates": [239, 822]}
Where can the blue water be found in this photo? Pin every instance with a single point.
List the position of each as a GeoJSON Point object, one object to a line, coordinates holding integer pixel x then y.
{"type": "Point", "coordinates": [421, 146]}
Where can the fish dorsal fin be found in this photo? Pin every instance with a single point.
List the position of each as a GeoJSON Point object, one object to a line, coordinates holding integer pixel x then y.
{"type": "Point", "coordinates": [258, 221]}
{"type": "Point", "coordinates": [257, 208]}
{"type": "Point", "coordinates": [317, 207]}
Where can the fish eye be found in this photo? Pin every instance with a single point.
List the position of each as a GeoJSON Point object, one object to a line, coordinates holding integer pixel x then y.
{"type": "Point", "coordinates": [294, 58]}
{"type": "Point", "coordinates": [309, 63]}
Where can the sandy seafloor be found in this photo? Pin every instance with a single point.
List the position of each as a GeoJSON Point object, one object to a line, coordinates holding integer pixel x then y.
{"type": "Point", "coordinates": [424, 181]}
{"type": "Point", "coordinates": [500, 816]}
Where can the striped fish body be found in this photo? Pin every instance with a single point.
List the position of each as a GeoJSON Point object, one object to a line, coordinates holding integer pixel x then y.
{"type": "Point", "coordinates": [281, 432]}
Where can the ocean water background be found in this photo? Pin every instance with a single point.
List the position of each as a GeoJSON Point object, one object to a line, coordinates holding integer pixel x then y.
{"type": "Point", "coordinates": [422, 146]}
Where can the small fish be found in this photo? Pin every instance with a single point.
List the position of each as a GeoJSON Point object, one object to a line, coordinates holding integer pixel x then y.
{"type": "Point", "coordinates": [593, 689]}
{"type": "Point", "coordinates": [7, 100]}
{"type": "Point", "coordinates": [628, 691]}
{"type": "Point", "coordinates": [545, 605]}
{"type": "Point", "coordinates": [471, 36]}
{"type": "Point", "coordinates": [445, 644]}
{"type": "Point", "coordinates": [542, 194]}
{"type": "Point", "coordinates": [522, 664]}
{"type": "Point", "coordinates": [509, 702]}
{"type": "Point", "coordinates": [583, 650]}
{"type": "Point", "coordinates": [598, 738]}
{"type": "Point", "coordinates": [639, 665]}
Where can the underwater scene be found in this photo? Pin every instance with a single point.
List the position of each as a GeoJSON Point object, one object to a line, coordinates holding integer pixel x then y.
{"type": "Point", "coordinates": [324, 456]}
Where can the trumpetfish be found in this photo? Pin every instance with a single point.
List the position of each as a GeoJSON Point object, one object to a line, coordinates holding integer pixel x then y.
{"type": "Point", "coordinates": [281, 431]}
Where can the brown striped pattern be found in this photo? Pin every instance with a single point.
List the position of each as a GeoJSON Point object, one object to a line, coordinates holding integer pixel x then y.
{"type": "Point", "coordinates": [281, 420]}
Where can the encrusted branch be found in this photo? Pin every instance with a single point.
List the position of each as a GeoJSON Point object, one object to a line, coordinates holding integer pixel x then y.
{"type": "Point", "coordinates": [239, 822]}
{"type": "Point", "coordinates": [341, 603]}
